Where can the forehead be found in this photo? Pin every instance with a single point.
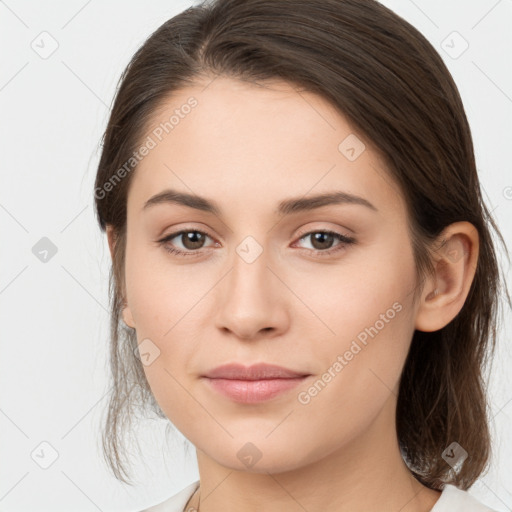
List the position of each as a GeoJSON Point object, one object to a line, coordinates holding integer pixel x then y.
{"type": "Point", "coordinates": [265, 141]}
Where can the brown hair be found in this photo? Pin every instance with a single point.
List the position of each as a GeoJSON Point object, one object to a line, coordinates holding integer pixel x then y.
{"type": "Point", "coordinates": [388, 80]}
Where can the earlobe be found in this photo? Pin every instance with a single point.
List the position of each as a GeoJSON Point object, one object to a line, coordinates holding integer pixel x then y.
{"type": "Point", "coordinates": [128, 317]}
{"type": "Point", "coordinates": [111, 239]}
{"type": "Point", "coordinates": [455, 265]}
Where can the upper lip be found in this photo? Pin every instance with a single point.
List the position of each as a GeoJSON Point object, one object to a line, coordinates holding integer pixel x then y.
{"type": "Point", "coordinates": [259, 371]}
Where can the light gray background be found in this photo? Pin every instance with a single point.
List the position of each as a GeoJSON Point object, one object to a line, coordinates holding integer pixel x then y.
{"type": "Point", "coordinates": [54, 315]}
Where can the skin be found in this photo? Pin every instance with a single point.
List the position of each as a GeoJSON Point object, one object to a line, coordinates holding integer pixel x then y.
{"type": "Point", "coordinates": [247, 148]}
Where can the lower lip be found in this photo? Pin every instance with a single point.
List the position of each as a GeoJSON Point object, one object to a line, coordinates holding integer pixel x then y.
{"type": "Point", "coordinates": [253, 391]}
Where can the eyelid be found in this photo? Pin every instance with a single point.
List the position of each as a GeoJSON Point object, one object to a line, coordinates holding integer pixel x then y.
{"type": "Point", "coordinates": [339, 230]}
{"type": "Point", "coordinates": [174, 234]}
{"type": "Point", "coordinates": [300, 234]}
{"type": "Point", "coordinates": [343, 242]}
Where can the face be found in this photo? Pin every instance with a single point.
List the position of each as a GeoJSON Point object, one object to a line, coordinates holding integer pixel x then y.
{"type": "Point", "coordinates": [266, 274]}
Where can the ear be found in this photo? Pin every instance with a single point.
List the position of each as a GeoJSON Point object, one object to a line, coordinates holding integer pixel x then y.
{"type": "Point", "coordinates": [128, 317]}
{"type": "Point", "coordinates": [111, 239]}
{"type": "Point", "coordinates": [127, 314]}
{"type": "Point", "coordinates": [455, 263]}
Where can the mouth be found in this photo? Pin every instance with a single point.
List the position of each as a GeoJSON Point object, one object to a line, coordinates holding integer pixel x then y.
{"type": "Point", "coordinates": [254, 384]}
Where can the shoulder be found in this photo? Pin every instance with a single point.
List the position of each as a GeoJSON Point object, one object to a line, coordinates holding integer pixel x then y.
{"type": "Point", "coordinates": [175, 503]}
{"type": "Point", "coordinates": [453, 499]}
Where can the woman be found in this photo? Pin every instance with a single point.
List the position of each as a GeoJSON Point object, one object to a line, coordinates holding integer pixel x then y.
{"type": "Point", "coordinates": [302, 260]}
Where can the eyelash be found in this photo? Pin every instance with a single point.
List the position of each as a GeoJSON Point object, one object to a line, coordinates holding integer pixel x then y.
{"type": "Point", "coordinates": [344, 241]}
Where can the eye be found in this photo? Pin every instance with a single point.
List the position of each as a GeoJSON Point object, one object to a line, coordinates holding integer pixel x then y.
{"type": "Point", "coordinates": [192, 240]}
{"type": "Point", "coordinates": [322, 241]}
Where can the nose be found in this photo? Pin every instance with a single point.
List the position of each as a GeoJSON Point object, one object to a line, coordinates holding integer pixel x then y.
{"type": "Point", "coordinates": [252, 300]}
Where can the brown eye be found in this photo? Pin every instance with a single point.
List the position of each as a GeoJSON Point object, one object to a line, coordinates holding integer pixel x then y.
{"type": "Point", "coordinates": [322, 240]}
{"type": "Point", "coordinates": [186, 242]}
{"type": "Point", "coordinates": [192, 239]}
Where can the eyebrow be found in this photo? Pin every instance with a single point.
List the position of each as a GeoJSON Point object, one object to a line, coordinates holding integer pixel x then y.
{"type": "Point", "coordinates": [285, 207]}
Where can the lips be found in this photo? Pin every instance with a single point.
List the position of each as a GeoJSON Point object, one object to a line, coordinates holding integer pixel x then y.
{"type": "Point", "coordinates": [253, 384]}
{"type": "Point", "coordinates": [259, 371]}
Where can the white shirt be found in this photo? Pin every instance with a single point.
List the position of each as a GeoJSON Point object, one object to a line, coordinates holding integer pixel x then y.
{"type": "Point", "coordinates": [452, 499]}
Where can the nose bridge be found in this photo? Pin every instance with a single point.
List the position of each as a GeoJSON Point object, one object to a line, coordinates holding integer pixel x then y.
{"type": "Point", "coordinates": [249, 299]}
{"type": "Point", "coordinates": [250, 277]}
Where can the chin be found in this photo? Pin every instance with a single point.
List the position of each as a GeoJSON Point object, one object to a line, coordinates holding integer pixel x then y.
{"type": "Point", "coordinates": [252, 455]}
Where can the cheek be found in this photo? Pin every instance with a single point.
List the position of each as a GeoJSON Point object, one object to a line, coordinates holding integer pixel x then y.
{"type": "Point", "coordinates": [371, 287]}
{"type": "Point", "coordinates": [163, 300]}
{"type": "Point", "coordinates": [367, 307]}
{"type": "Point", "coordinates": [160, 292]}
{"type": "Point", "coordinates": [360, 376]}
